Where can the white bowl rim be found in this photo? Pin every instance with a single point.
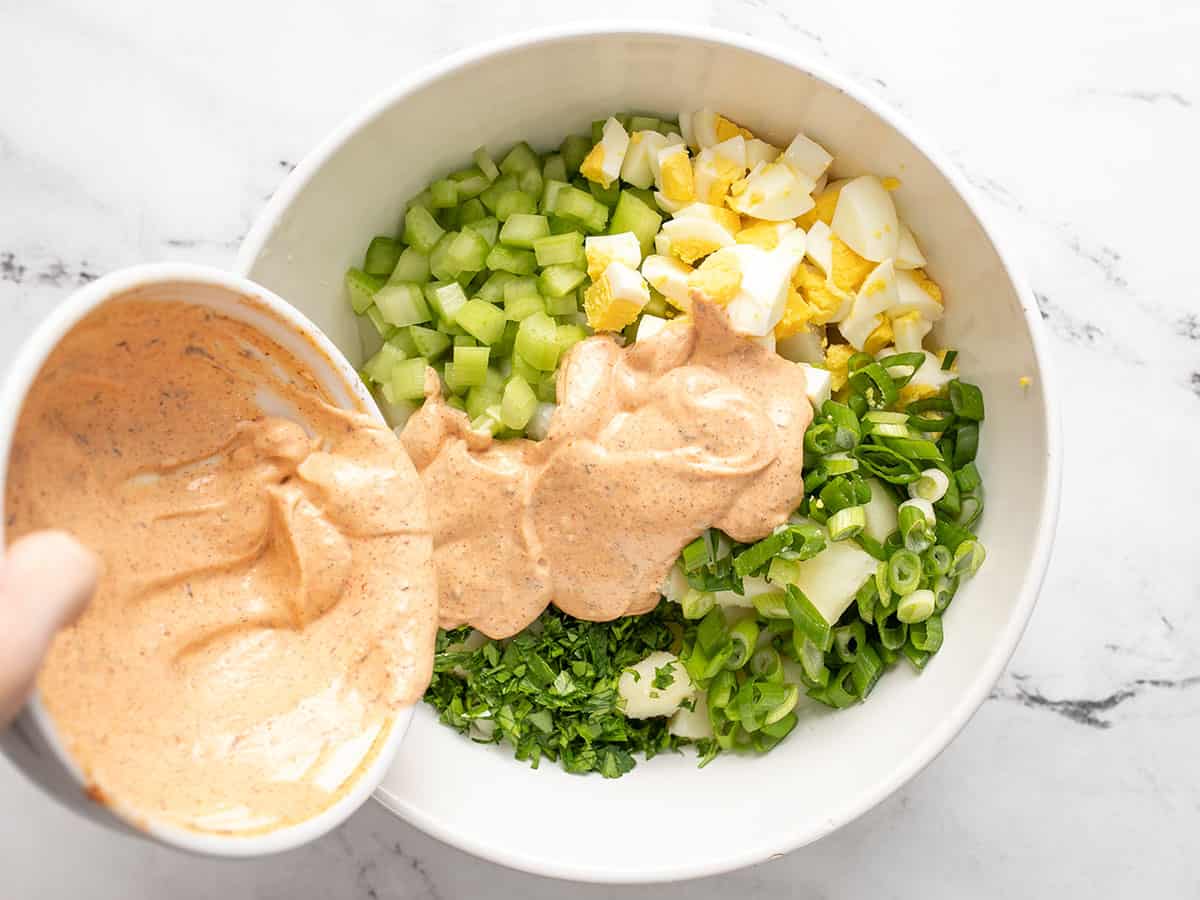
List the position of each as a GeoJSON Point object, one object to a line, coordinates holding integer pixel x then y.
{"type": "Point", "coordinates": [1006, 643]}
{"type": "Point", "coordinates": [19, 379]}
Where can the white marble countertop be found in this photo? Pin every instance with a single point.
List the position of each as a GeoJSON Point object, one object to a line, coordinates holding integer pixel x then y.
{"type": "Point", "coordinates": [143, 130]}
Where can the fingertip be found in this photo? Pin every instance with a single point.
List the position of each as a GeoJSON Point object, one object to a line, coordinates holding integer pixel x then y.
{"type": "Point", "coordinates": [51, 575]}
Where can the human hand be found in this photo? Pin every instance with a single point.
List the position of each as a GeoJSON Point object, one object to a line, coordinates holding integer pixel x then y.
{"type": "Point", "coordinates": [46, 578]}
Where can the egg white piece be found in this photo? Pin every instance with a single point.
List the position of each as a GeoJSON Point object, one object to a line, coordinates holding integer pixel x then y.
{"type": "Point", "coordinates": [662, 242]}
{"type": "Point", "coordinates": [931, 374]}
{"type": "Point", "coordinates": [807, 157]}
{"type": "Point", "coordinates": [877, 295]}
{"type": "Point", "coordinates": [881, 512]}
{"type": "Point", "coordinates": [685, 130]}
{"type": "Point", "coordinates": [668, 276]}
{"type": "Point", "coordinates": [649, 326]}
{"type": "Point", "coordinates": [626, 283]}
{"type": "Point", "coordinates": [760, 152]}
{"type": "Point", "coordinates": [733, 149]}
{"type": "Point", "coordinates": [820, 247]}
{"type": "Point", "coordinates": [752, 587]}
{"type": "Point", "coordinates": [603, 249]}
{"type": "Point", "coordinates": [762, 298]}
{"type": "Point", "coordinates": [668, 150]}
{"type": "Point", "coordinates": [806, 346]}
{"type": "Point", "coordinates": [693, 723]}
{"type": "Point", "coordinates": [818, 384]}
{"type": "Point", "coordinates": [642, 700]}
{"type": "Point", "coordinates": [865, 219]}
{"type": "Point", "coordinates": [666, 204]}
{"type": "Point", "coordinates": [704, 128]}
{"type": "Point", "coordinates": [913, 298]}
{"type": "Point", "coordinates": [694, 228]}
{"type": "Point", "coordinates": [638, 167]}
{"type": "Point", "coordinates": [908, 253]}
{"type": "Point", "coordinates": [697, 210]}
{"type": "Point", "coordinates": [909, 332]}
{"type": "Point", "coordinates": [831, 578]}
{"type": "Point", "coordinates": [775, 193]}
{"type": "Point", "coordinates": [614, 143]}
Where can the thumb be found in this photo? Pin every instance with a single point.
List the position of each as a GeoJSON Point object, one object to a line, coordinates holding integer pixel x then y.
{"type": "Point", "coordinates": [46, 578]}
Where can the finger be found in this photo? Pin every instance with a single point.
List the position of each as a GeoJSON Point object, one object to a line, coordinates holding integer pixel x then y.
{"type": "Point", "coordinates": [46, 579]}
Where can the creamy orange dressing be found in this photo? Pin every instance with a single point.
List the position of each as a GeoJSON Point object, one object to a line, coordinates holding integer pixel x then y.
{"type": "Point", "coordinates": [651, 444]}
{"type": "Point", "coordinates": [267, 602]}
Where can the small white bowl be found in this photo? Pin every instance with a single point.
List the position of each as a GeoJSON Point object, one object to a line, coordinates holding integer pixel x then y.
{"type": "Point", "coordinates": [32, 743]}
{"type": "Point", "coordinates": [668, 820]}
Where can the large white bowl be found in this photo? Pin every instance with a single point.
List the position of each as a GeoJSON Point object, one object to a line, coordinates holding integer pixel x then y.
{"type": "Point", "coordinates": [668, 820]}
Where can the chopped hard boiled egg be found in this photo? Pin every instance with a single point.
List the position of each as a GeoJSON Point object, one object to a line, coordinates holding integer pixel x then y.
{"type": "Point", "coordinates": [603, 249]}
{"type": "Point", "coordinates": [656, 686]}
{"type": "Point", "coordinates": [764, 235]}
{"type": "Point", "coordinates": [692, 237]}
{"type": "Point", "coordinates": [719, 278]}
{"type": "Point", "coordinates": [865, 218]}
{"type": "Point", "coordinates": [807, 157]}
{"type": "Point", "coordinates": [762, 295]}
{"type": "Point", "coordinates": [820, 247]}
{"type": "Point", "coordinates": [669, 277]}
{"type": "Point", "coordinates": [817, 384]}
{"type": "Point", "coordinates": [648, 326]}
{"type": "Point", "coordinates": [908, 331]}
{"type": "Point", "coordinates": [760, 152]}
{"type": "Point", "coordinates": [707, 128]}
{"type": "Point", "coordinates": [615, 298]}
{"type": "Point", "coordinates": [776, 192]}
{"type": "Point", "coordinates": [638, 168]}
{"type": "Point", "coordinates": [831, 578]}
{"type": "Point", "coordinates": [603, 164]}
{"type": "Point", "coordinates": [877, 295]}
{"type": "Point", "coordinates": [675, 179]}
{"type": "Point", "coordinates": [828, 302]}
{"type": "Point", "coordinates": [716, 168]}
{"type": "Point", "coordinates": [804, 346]}
{"type": "Point", "coordinates": [825, 198]}
{"type": "Point", "coordinates": [918, 293]}
{"type": "Point", "coordinates": [837, 361]}
{"type": "Point", "coordinates": [908, 253]}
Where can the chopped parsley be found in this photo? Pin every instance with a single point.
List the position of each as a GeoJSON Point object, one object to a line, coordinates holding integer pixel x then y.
{"type": "Point", "coordinates": [550, 692]}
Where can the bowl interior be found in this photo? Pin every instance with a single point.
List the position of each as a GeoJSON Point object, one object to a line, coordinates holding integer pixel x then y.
{"type": "Point", "coordinates": [667, 819]}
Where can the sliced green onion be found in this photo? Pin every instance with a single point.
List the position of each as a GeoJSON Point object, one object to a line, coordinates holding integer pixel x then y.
{"type": "Point", "coordinates": [885, 463]}
{"type": "Point", "coordinates": [848, 641]}
{"type": "Point", "coordinates": [948, 360]}
{"type": "Point", "coordinates": [847, 523]}
{"type": "Point", "coordinates": [697, 554]}
{"type": "Point", "coordinates": [865, 598]}
{"type": "Point", "coordinates": [931, 486]}
{"type": "Point", "coordinates": [839, 463]}
{"type": "Point", "coordinates": [865, 671]}
{"type": "Point", "coordinates": [839, 692]}
{"type": "Point", "coordinates": [966, 400]}
{"type": "Point", "coordinates": [712, 635]}
{"type": "Point", "coordinates": [697, 604]}
{"type": "Point", "coordinates": [892, 632]}
{"type": "Point", "coordinates": [916, 606]}
{"type": "Point", "coordinates": [966, 444]}
{"type": "Point", "coordinates": [926, 636]}
{"type": "Point", "coordinates": [758, 555]}
{"type": "Point", "coordinates": [944, 588]}
{"type": "Point", "coordinates": [745, 638]}
{"type": "Point", "coordinates": [783, 706]}
{"type": "Point", "coordinates": [766, 664]}
{"type": "Point", "coordinates": [807, 619]}
{"type": "Point", "coordinates": [918, 658]}
{"type": "Point", "coordinates": [883, 586]}
{"type": "Point", "coordinates": [968, 557]}
{"type": "Point", "coordinates": [914, 448]}
{"type": "Point", "coordinates": [721, 690]}
{"type": "Point", "coordinates": [771, 605]}
{"type": "Point", "coordinates": [904, 571]}
{"type": "Point", "coordinates": [874, 383]}
{"type": "Point", "coordinates": [821, 439]}
{"type": "Point", "coordinates": [938, 560]}
{"type": "Point", "coordinates": [811, 659]}
{"type": "Point", "coordinates": [968, 478]}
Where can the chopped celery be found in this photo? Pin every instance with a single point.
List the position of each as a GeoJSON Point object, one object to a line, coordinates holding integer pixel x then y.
{"type": "Point", "coordinates": [550, 192]}
{"type": "Point", "coordinates": [559, 225]}
{"type": "Point", "coordinates": [402, 304]}
{"type": "Point", "coordinates": [468, 252]}
{"type": "Point", "coordinates": [568, 336]}
{"type": "Point", "coordinates": [381, 256]}
{"type": "Point", "coordinates": [537, 341]}
{"type": "Point", "coordinates": [554, 168]}
{"type": "Point", "coordinates": [506, 259]}
{"type": "Point", "coordinates": [632, 214]}
{"type": "Point", "coordinates": [522, 306]}
{"type": "Point", "coordinates": [447, 300]}
{"type": "Point", "coordinates": [381, 326]}
{"type": "Point", "coordinates": [493, 289]}
{"type": "Point", "coordinates": [606, 195]}
{"type": "Point", "coordinates": [523, 229]}
{"type": "Point", "coordinates": [429, 343]}
{"type": "Point", "coordinates": [421, 230]}
{"type": "Point", "coordinates": [521, 369]}
{"type": "Point", "coordinates": [547, 388]}
{"type": "Point", "coordinates": [565, 305]}
{"type": "Point", "coordinates": [501, 185]}
{"type": "Point", "coordinates": [423, 200]}
{"type": "Point", "coordinates": [512, 202]}
{"type": "Point", "coordinates": [465, 340]}
{"type": "Point", "coordinates": [479, 399]}
{"type": "Point", "coordinates": [482, 321]}
{"type": "Point", "coordinates": [440, 264]}
{"type": "Point", "coordinates": [643, 123]}
{"type": "Point", "coordinates": [520, 158]}
{"type": "Point", "coordinates": [597, 130]}
{"type": "Point", "coordinates": [403, 341]}
{"type": "Point", "coordinates": [469, 182]}
{"type": "Point", "coordinates": [453, 384]}
{"type": "Point", "coordinates": [379, 367]}
{"type": "Point", "coordinates": [444, 193]}
{"type": "Point", "coordinates": [645, 195]}
{"type": "Point", "coordinates": [656, 305]}
{"type": "Point", "coordinates": [623, 118]}
{"type": "Point", "coordinates": [531, 183]}
{"type": "Point", "coordinates": [582, 208]}
{"type": "Point", "coordinates": [471, 365]}
{"type": "Point", "coordinates": [488, 227]}
{"type": "Point", "coordinates": [408, 379]}
{"type": "Point", "coordinates": [471, 211]}
{"type": "Point", "coordinates": [412, 265]}
{"type": "Point", "coordinates": [362, 288]}
{"type": "Point", "coordinates": [557, 280]}
{"type": "Point", "coordinates": [504, 347]}
{"type": "Point", "coordinates": [573, 149]}
{"type": "Point", "coordinates": [524, 286]}
{"type": "Point", "coordinates": [669, 128]}
{"type": "Point", "coordinates": [559, 249]}
{"type": "Point", "coordinates": [517, 403]}
{"type": "Point", "coordinates": [483, 159]}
